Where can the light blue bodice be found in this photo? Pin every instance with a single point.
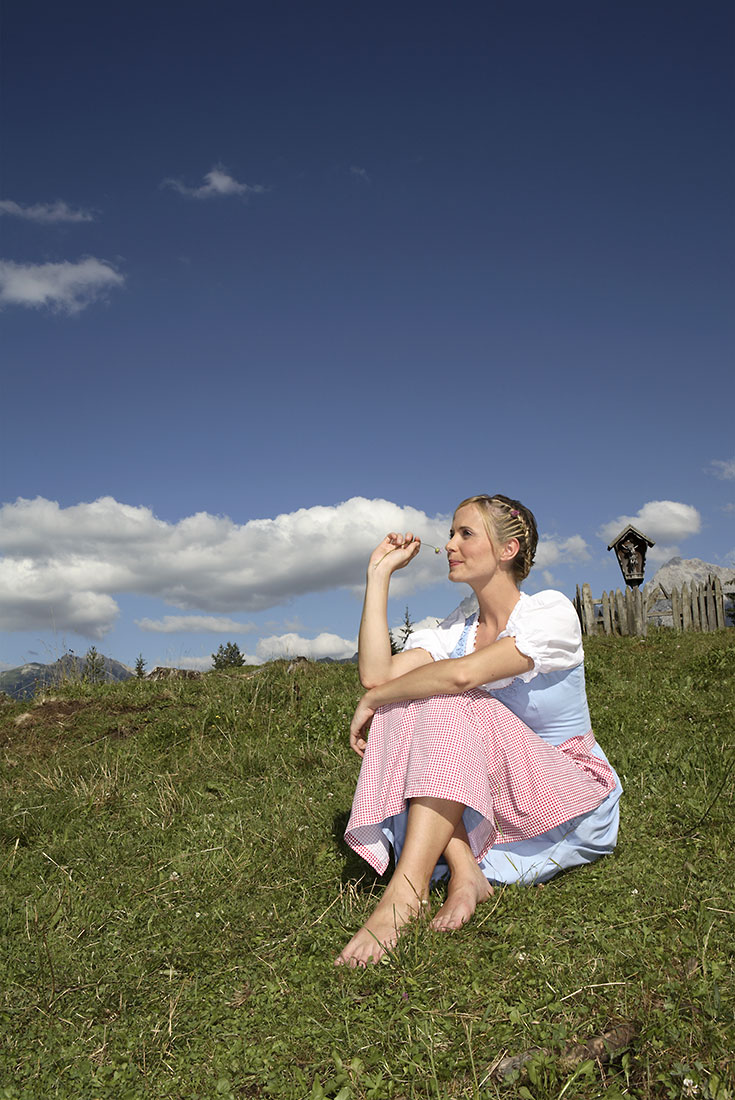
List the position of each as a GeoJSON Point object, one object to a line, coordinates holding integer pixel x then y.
{"type": "Point", "coordinates": [552, 704]}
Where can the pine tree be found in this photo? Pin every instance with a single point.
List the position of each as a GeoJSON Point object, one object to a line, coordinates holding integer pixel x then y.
{"type": "Point", "coordinates": [406, 630]}
{"type": "Point", "coordinates": [228, 656]}
{"type": "Point", "coordinates": [94, 666]}
{"type": "Point", "coordinates": [140, 667]}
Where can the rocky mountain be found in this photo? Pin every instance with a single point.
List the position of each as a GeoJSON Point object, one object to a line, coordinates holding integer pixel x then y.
{"type": "Point", "coordinates": [26, 680]}
{"type": "Point", "coordinates": [678, 571]}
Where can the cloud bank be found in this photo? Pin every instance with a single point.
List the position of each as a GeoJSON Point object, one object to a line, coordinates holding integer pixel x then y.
{"type": "Point", "coordinates": [218, 183]}
{"type": "Point", "coordinates": [45, 212]}
{"type": "Point", "coordinates": [62, 567]}
{"type": "Point", "coordinates": [293, 645]}
{"type": "Point", "coordinates": [194, 624]}
{"type": "Point", "coordinates": [61, 287]}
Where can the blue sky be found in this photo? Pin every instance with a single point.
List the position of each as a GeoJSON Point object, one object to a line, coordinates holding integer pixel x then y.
{"type": "Point", "coordinates": [276, 278]}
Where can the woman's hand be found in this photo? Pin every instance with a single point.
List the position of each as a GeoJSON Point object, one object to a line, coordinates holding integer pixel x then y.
{"type": "Point", "coordinates": [394, 552]}
{"type": "Point", "coordinates": [359, 725]}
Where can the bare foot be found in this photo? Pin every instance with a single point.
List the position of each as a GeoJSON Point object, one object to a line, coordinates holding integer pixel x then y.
{"type": "Point", "coordinates": [381, 930]}
{"type": "Point", "coordinates": [465, 892]}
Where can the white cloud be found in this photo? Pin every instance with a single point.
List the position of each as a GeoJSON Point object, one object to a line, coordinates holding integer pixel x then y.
{"type": "Point", "coordinates": [361, 173]}
{"type": "Point", "coordinates": [423, 624]}
{"type": "Point", "coordinates": [293, 645]}
{"type": "Point", "coordinates": [194, 624]}
{"type": "Point", "coordinates": [32, 598]}
{"type": "Point", "coordinates": [556, 551]}
{"type": "Point", "coordinates": [724, 470]}
{"type": "Point", "coordinates": [63, 566]}
{"type": "Point", "coordinates": [662, 521]}
{"type": "Point", "coordinates": [45, 212]}
{"type": "Point", "coordinates": [67, 563]}
{"type": "Point", "coordinates": [199, 664]}
{"type": "Point", "coordinates": [62, 287]}
{"type": "Point", "coordinates": [218, 184]}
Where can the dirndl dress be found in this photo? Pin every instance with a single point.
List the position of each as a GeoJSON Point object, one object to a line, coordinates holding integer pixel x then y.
{"type": "Point", "coordinates": [539, 794]}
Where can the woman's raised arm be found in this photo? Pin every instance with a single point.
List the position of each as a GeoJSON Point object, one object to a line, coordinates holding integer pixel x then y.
{"type": "Point", "coordinates": [376, 663]}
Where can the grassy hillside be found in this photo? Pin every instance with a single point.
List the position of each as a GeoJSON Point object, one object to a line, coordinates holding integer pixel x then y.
{"type": "Point", "coordinates": [175, 887]}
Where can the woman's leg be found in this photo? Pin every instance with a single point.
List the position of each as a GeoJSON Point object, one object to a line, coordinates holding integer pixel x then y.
{"type": "Point", "coordinates": [467, 888]}
{"type": "Point", "coordinates": [432, 823]}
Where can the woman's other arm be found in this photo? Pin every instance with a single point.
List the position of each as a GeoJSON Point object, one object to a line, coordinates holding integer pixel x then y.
{"type": "Point", "coordinates": [451, 677]}
{"type": "Point", "coordinates": [376, 663]}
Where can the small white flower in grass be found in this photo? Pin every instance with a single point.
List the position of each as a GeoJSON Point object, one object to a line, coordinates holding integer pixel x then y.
{"type": "Point", "coordinates": [634, 891]}
{"type": "Point", "coordinates": [173, 876]}
{"type": "Point", "coordinates": [521, 956]}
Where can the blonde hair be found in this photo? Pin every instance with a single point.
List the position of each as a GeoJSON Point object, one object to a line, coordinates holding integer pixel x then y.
{"type": "Point", "coordinates": [506, 519]}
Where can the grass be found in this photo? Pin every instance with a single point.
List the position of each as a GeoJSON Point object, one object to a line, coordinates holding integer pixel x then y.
{"type": "Point", "coordinates": [175, 887]}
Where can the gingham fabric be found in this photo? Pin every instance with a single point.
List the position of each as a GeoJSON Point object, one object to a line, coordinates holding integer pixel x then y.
{"type": "Point", "coordinates": [471, 749]}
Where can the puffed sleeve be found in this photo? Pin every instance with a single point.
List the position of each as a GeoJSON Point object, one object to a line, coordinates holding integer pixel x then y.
{"type": "Point", "coordinates": [546, 628]}
{"type": "Point", "coordinates": [440, 640]}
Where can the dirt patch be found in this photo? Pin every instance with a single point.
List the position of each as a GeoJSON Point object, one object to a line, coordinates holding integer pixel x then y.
{"type": "Point", "coordinates": [52, 723]}
{"type": "Point", "coordinates": [51, 712]}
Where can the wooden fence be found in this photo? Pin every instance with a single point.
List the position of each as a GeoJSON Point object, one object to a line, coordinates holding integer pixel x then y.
{"type": "Point", "coordinates": [693, 607]}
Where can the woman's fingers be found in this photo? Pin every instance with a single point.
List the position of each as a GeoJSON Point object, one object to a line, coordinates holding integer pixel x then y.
{"type": "Point", "coordinates": [397, 549]}
{"type": "Point", "coordinates": [359, 727]}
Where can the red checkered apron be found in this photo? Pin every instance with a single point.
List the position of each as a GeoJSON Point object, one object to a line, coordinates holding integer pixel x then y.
{"type": "Point", "coordinates": [471, 749]}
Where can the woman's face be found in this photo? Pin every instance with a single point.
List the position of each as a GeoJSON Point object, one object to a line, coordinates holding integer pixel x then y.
{"type": "Point", "coordinates": [471, 554]}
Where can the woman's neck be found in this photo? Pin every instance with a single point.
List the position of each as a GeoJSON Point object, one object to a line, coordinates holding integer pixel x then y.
{"type": "Point", "coordinates": [497, 600]}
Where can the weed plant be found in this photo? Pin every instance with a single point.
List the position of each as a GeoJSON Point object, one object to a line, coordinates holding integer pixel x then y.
{"type": "Point", "coordinates": [175, 887]}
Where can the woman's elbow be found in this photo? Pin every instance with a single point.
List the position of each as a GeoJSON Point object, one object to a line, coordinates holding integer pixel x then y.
{"type": "Point", "coordinates": [461, 682]}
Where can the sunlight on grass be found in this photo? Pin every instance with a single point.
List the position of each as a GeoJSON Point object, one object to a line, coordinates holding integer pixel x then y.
{"type": "Point", "coordinates": [175, 887]}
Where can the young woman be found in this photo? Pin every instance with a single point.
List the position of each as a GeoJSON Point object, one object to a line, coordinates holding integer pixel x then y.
{"type": "Point", "coordinates": [480, 762]}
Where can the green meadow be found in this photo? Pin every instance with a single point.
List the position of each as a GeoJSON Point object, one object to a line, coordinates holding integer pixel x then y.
{"type": "Point", "coordinates": [175, 887]}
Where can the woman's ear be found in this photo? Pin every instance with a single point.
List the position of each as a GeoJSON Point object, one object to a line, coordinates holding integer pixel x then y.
{"type": "Point", "coordinates": [510, 550]}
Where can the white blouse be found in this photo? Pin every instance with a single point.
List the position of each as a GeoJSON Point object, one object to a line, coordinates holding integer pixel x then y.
{"type": "Point", "coordinates": [545, 627]}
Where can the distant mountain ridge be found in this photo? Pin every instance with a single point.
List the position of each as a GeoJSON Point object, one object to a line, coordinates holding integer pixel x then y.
{"type": "Point", "coordinates": [25, 680]}
{"type": "Point", "coordinates": [678, 571]}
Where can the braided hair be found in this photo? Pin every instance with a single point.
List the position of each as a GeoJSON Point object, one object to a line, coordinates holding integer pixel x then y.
{"type": "Point", "coordinates": [506, 519]}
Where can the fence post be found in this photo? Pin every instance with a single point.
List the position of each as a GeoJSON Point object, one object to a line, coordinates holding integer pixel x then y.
{"type": "Point", "coordinates": [686, 608]}
{"type": "Point", "coordinates": [639, 616]}
{"type": "Point", "coordinates": [607, 625]}
{"type": "Point", "coordinates": [699, 612]}
{"type": "Point", "coordinates": [709, 598]}
{"type": "Point", "coordinates": [588, 609]}
{"type": "Point", "coordinates": [628, 594]}
{"type": "Point", "coordinates": [577, 601]}
{"type": "Point", "coordinates": [622, 613]}
{"type": "Point", "coordinates": [676, 609]}
{"type": "Point", "coordinates": [719, 604]}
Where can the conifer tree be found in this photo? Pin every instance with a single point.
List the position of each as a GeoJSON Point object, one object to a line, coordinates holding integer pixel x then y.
{"type": "Point", "coordinates": [406, 630]}
{"type": "Point", "coordinates": [140, 667]}
{"type": "Point", "coordinates": [228, 656]}
{"type": "Point", "coordinates": [94, 666]}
